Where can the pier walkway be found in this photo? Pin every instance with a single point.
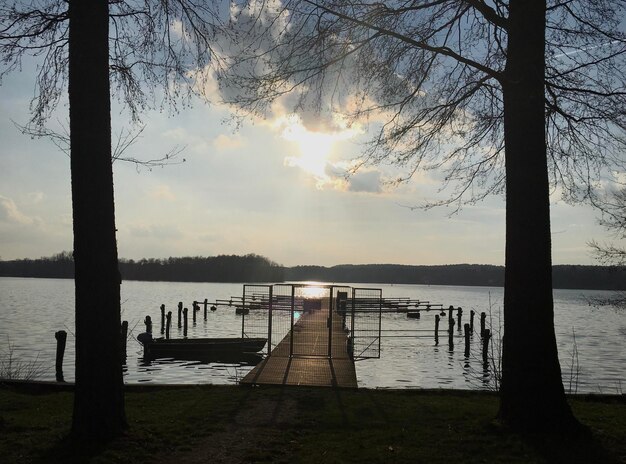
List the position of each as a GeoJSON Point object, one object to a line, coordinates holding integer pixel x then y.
{"type": "Point", "coordinates": [305, 356]}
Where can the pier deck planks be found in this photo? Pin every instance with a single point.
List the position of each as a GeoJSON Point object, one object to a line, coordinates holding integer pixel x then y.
{"type": "Point", "coordinates": [310, 365]}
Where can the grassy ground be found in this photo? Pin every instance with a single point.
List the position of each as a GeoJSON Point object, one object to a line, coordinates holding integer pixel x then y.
{"type": "Point", "coordinates": [303, 425]}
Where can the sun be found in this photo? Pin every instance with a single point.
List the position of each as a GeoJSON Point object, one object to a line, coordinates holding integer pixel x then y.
{"type": "Point", "coordinates": [314, 149]}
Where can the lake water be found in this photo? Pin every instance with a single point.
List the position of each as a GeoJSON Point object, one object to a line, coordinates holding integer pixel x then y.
{"type": "Point", "coordinates": [31, 310]}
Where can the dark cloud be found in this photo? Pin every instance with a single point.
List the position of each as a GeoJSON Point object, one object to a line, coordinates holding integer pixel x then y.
{"type": "Point", "coordinates": [366, 181]}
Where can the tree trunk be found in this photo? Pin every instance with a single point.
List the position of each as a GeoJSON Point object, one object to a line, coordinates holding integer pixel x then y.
{"type": "Point", "coordinates": [99, 397]}
{"type": "Point", "coordinates": [532, 394]}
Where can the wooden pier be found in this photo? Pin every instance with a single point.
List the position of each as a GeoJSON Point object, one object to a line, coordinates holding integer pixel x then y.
{"type": "Point", "coordinates": [311, 354]}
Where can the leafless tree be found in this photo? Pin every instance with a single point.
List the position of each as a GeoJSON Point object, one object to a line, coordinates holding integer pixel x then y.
{"type": "Point", "coordinates": [123, 143]}
{"type": "Point", "coordinates": [148, 52]}
{"type": "Point", "coordinates": [518, 97]}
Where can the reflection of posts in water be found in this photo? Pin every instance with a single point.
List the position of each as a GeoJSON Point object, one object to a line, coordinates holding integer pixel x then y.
{"type": "Point", "coordinates": [61, 337]}
{"type": "Point", "coordinates": [168, 325]}
{"type": "Point", "coordinates": [467, 340]}
{"type": "Point", "coordinates": [123, 338]}
{"type": "Point", "coordinates": [437, 329]}
{"type": "Point", "coordinates": [162, 318]}
{"type": "Point", "coordinates": [487, 336]}
{"type": "Point", "coordinates": [486, 375]}
{"type": "Point", "coordinates": [148, 322]}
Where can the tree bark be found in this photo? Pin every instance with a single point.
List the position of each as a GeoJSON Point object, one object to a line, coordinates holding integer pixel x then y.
{"type": "Point", "coordinates": [99, 397]}
{"type": "Point", "coordinates": [532, 397]}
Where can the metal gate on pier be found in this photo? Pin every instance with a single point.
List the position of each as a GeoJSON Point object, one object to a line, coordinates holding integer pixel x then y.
{"type": "Point", "coordinates": [314, 332]}
{"type": "Point", "coordinates": [308, 320]}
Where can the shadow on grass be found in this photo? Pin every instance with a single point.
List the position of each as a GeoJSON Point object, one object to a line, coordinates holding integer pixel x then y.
{"type": "Point", "coordinates": [570, 451]}
{"type": "Point", "coordinates": [73, 450]}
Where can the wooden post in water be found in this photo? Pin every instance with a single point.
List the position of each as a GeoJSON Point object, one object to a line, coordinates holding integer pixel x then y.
{"type": "Point", "coordinates": [148, 322]}
{"type": "Point", "coordinates": [450, 316]}
{"type": "Point", "coordinates": [206, 306]}
{"type": "Point", "coordinates": [460, 316]}
{"type": "Point", "coordinates": [486, 337]}
{"type": "Point", "coordinates": [467, 340]}
{"type": "Point", "coordinates": [123, 338]}
{"type": "Point", "coordinates": [185, 322]}
{"type": "Point", "coordinates": [471, 321]}
{"type": "Point", "coordinates": [168, 325]}
{"type": "Point", "coordinates": [451, 333]}
{"type": "Point", "coordinates": [194, 310]}
{"type": "Point", "coordinates": [162, 318]}
{"type": "Point", "coordinates": [61, 337]}
{"type": "Point", "coordinates": [483, 317]}
{"type": "Point", "coordinates": [437, 317]}
{"type": "Point", "coordinates": [180, 312]}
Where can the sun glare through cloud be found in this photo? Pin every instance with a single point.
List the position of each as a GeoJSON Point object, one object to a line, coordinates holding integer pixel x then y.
{"type": "Point", "coordinates": [314, 151]}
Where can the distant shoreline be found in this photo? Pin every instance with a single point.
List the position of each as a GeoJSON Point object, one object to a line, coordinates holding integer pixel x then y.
{"type": "Point", "coordinates": [257, 269]}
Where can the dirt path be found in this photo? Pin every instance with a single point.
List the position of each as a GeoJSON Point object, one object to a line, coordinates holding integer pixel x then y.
{"type": "Point", "coordinates": [256, 434]}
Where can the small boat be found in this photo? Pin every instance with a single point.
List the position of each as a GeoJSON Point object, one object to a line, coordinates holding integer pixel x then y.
{"type": "Point", "coordinates": [199, 348]}
{"type": "Point", "coordinates": [242, 310]}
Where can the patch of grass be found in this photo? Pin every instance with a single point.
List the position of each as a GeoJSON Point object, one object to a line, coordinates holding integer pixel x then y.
{"type": "Point", "coordinates": [307, 425]}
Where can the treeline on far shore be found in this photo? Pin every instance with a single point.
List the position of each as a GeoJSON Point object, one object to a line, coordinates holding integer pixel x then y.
{"type": "Point", "coordinates": [255, 268]}
{"type": "Point", "coordinates": [222, 268]}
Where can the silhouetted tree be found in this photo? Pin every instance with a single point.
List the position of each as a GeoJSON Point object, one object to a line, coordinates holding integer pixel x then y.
{"type": "Point", "coordinates": [503, 96]}
{"type": "Point", "coordinates": [136, 45]}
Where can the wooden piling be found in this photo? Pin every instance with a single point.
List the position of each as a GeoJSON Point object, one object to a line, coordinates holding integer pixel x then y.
{"type": "Point", "coordinates": [180, 312]}
{"type": "Point", "coordinates": [206, 306]}
{"type": "Point", "coordinates": [483, 317]}
{"type": "Point", "coordinates": [185, 322]}
{"type": "Point", "coordinates": [61, 337]}
{"type": "Point", "coordinates": [471, 321]}
{"type": "Point", "coordinates": [168, 325]}
{"type": "Point", "coordinates": [450, 316]}
{"type": "Point", "coordinates": [459, 316]}
{"type": "Point", "coordinates": [194, 310]}
{"type": "Point", "coordinates": [486, 337]}
{"type": "Point", "coordinates": [123, 339]}
{"type": "Point", "coordinates": [162, 318]}
{"type": "Point", "coordinates": [467, 340]}
{"type": "Point", "coordinates": [437, 317]}
{"type": "Point", "coordinates": [148, 322]}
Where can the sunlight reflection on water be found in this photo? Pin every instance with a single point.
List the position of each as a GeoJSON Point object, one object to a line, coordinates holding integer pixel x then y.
{"type": "Point", "coordinates": [33, 309]}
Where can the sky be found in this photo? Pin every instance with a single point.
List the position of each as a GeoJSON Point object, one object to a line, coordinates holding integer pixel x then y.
{"type": "Point", "coordinates": [270, 187]}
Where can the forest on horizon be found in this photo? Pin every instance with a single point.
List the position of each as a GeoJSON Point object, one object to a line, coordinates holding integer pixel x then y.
{"type": "Point", "coordinates": [256, 268]}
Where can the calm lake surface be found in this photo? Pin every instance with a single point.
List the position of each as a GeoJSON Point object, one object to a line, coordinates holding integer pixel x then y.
{"type": "Point", "coordinates": [31, 310]}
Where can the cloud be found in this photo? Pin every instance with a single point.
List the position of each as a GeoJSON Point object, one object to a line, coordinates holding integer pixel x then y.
{"type": "Point", "coordinates": [162, 192]}
{"type": "Point", "coordinates": [365, 181]}
{"type": "Point", "coordinates": [224, 142]}
{"type": "Point", "coordinates": [10, 213]}
{"type": "Point", "coordinates": [36, 197]}
{"type": "Point", "coordinates": [158, 231]}
{"type": "Point", "coordinates": [211, 238]}
{"type": "Point", "coordinates": [183, 137]}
